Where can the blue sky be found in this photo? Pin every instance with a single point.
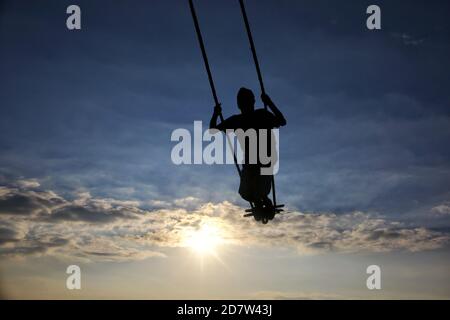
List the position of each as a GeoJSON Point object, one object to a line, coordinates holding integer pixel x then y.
{"type": "Point", "coordinates": [87, 115]}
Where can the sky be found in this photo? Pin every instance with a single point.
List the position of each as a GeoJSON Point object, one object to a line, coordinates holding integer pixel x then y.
{"type": "Point", "coordinates": [86, 176]}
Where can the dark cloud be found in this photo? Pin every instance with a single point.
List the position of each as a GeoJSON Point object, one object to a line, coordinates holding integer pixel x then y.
{"type": "Point", "coordinates": [26, 246]}
{"type": "Point", "coordinates": [19, 204]}
{"type": "Point", "coordinates": [321, 245]}
{"type": "Point", "coordinates": [384, 234]}
{"type": "Point", "coordinates": [80, 213]}
{"type": "Point", "coordinates": [27, 202]}
{"type": "Point", "coordinates": [7, 235]}
{"type": "Point", "coordinates": [23, 250]}
{"type": "Point", "coordinates": [47, 206]}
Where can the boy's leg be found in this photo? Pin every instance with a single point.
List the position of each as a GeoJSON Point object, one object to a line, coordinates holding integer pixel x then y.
{"type": "Point", "coordinates": [248, 188]}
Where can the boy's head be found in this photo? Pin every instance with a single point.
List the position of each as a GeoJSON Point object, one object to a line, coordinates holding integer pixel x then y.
{"type": "Point", "coordinates": [246, 100]}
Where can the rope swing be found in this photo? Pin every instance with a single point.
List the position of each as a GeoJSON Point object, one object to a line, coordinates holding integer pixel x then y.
{"type": "Point", "coordinates": [276, 207]}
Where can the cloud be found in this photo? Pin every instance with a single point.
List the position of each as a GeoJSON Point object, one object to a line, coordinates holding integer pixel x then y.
{"type": "Point", "coordinates": [43, 223]}
{"type": "Point", "coordinates": [441, 210]}
{"type": "Point", "coordinates": [187, 202]}
{"type": "Point", "coordinates": [20, 204]}
{"type": "Point", "coordinates": [407, 39]}
{"type": "Point", "coordinates": [36, 247]}
{"type": "Point", "coordinates": [15, 201]}
{"type": "Point", "coordinates": [352, 232]}
{"type": "Point", "coordinates": [28, 183]}
{"type": "Point", "coordinates": [82, 213]}
{"type": "Point", "coordinates": [7, 235]}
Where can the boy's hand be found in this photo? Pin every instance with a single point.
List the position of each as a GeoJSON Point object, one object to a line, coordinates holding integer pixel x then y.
{"type": "Point", "coordinates": [266, 99]}
{"type": "Point", "coordinates": [217, 109]}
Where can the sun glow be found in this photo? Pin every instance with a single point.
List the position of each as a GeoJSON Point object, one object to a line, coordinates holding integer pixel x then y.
{"type": "Point", "coordinates": [204, 240]}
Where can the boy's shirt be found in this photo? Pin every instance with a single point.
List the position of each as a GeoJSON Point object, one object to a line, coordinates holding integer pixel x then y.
{"type": "Point", "coordinates": [258, 119]}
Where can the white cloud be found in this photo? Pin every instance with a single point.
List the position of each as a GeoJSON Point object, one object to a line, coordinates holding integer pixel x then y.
{"type": "Point", "coordinates": [187, 202]}
{"type": "Point", "coordinates": [408, 39]}
{"type": "Point", "coordinates": [28, 183]}
{"type": "Point", "coordinates": [441, 210]}
{"type": "Point", "coordinates": [114, 230]}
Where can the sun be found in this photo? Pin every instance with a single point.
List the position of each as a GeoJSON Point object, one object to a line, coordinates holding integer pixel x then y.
{"type": "Point", "coordinates": [205, 240]}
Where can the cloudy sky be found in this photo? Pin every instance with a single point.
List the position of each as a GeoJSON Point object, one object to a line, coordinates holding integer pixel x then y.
{"type": "Point", "coordinates": [86, 176]}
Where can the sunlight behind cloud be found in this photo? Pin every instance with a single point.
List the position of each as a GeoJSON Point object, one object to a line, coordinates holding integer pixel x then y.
{"type": "Point", "coordinates": [37, 222]}
{"type": "Point", "coordinates": [205, 240]}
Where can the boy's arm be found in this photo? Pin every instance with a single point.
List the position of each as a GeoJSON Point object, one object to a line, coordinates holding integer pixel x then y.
{"type": "Point", "coordinates": [215, 116]}
{"type": "Point", "coordinates": [229, 123]}
{"type": "Point", "coordinates": [279, 118]}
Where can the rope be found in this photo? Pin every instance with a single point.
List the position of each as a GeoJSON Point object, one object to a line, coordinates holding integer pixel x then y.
{"type": "Point", "coordinates": [205, 57]}
{"type": "Point", "coordinates": [252, 47]}
{"type": "Point", "coordinates": [210, 78]}
{"type": "Point", "coordinates": [211, 82]}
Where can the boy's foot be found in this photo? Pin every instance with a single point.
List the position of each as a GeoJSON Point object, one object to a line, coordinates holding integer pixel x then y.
{"type": "Point", "coordinates": [267, 203]}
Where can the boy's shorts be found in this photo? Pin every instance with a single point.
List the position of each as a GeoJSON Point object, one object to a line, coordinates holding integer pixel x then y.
{"type": "Point", "coordinates": [254, 186]}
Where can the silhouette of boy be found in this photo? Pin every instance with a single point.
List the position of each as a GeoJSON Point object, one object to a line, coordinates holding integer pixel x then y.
{"type": "Point", "coordinates": [254, 186]}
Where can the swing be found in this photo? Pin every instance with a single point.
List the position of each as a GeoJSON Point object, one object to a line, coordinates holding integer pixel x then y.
{"type": "Point", "coordinates": [276, 208]}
